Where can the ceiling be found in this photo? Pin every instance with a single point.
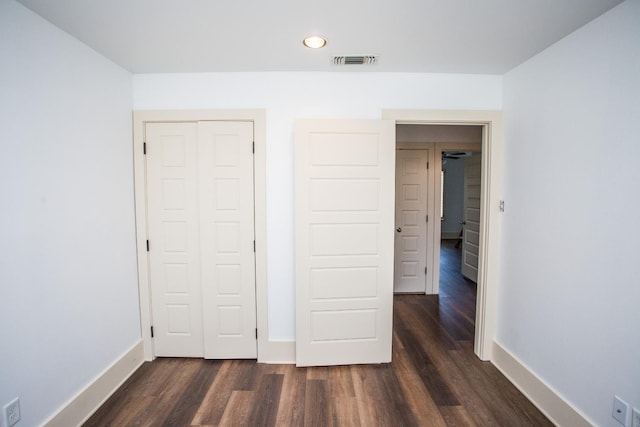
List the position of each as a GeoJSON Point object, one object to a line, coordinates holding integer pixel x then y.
{"type": "Point", "coordinates": [441, 36]}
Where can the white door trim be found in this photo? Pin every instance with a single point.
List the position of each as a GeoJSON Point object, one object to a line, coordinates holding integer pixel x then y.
{"type": "Point", "coordinates": [488, 263]}
{"type": "Point", "coordinates": [267, 350]}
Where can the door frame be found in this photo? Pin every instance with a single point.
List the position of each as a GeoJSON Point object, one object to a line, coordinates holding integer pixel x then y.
{"type": "Point", "coordinates": [491, 193]}
{"type": "Point", "coordinates": [266, 349]}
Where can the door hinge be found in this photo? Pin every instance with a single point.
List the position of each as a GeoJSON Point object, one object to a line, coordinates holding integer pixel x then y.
{"type": "Point", "coordinates": [253, 147]}
{"type": "Point", "coordinates": [254, 246]}
{"type": "Point", "coordinates": [147, 246]}
{"type": "Point", "coordinates": [152, 332]}
{"type": "Point", "coordinates": [144, 148]}
{"type": "Point", "coordinates": [427, 165]}
{"type": "Point", "coordinates": [256, 333]}
{"type": "Point", "coordinates": [425, 270]}
{"type": "Point", "coordinates": [427, 218]}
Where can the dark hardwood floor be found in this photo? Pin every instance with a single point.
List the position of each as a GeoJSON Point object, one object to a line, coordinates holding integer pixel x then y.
{"type": "Point", "coordinates": [434, 380]}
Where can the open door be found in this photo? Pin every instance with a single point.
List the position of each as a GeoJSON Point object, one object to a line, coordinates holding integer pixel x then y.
{"type": "Point", "coordinates": [471, 222]}
{"type": "Point", "coordinates": [344, 222]}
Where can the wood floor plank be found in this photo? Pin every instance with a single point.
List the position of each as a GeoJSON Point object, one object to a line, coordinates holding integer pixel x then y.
{"type": "Point", "coordinates": [143, 389]}
{"type": "Point", "coordinates": [418, 397]}
{"type": "Point", "coordinates": [396, 342]}
{"type": "Point", "coordinates": [157, 379]}
{"type": "Point", "coordinates": [317, 373]}
{"type": "Point", "coordinates": [213, 405]}
{"type": "Point", "coordinates": [380, 397]}
{"type": "Point", "coordinates": [345, 411]}
{"type": "Point", "coordinates": [366, 412]}
{"type": "Point", "coordinates": [265, 409]}
{"type": "Point", "coordinates": [238, 409]}
{"type": "Point", "coordinates": [422, 317]}
{"type": "Point", "coordinates": [401, 410]}
{"type": "Point", "coordinates": [124, 414]}
{"type": "Point", "coordinates": [292, 397]}
{"type": "Point", "coordinates": [456, 416]}
{"type": "Point", "coordinates": [115, 406]}
{"type": "Point", "coordinates": [340, 381]}
{"type": "Point", "coordinates": [156, 414]}
{"type": "Point", "coordinates": [435, 380]}
{"type": "Point", "coordinates": [187, 404]}
{"type": "Point", "coordinates": [246, 375]}
{"type": "Point", "coordinates": [449, 319]}
{"type": "Point", "coordinates": [511, 407]}
{"type": "Point", "coordinates": [440, 356]}
{"type": "Point", "coordinates": [468, 396]}
{"type": "Point", "coordinates": [317, 409]}
{"type": "Point", "coordinates": [428, 372]}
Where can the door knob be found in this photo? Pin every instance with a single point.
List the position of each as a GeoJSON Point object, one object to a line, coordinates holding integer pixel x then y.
{"type": "Point", "coordinates": [399, 229]}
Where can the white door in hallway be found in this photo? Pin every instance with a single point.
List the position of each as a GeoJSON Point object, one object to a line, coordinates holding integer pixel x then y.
{"type": "Point", "coordinates": [201, 260]}
{"type": "Point", "coordinates": [344, 206]}
{"type": "Point", "coordinates": [471, 222]}
{"type": "Point", "coordinates": [411, 221]}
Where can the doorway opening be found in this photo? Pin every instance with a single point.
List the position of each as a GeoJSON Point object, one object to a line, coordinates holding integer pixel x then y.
{"type": "Point", "coordinates": [438, 189]}
{"type": "Point", "coordinates": [460, 191]}
{"type": "Point", "coordinates": [491, 126]}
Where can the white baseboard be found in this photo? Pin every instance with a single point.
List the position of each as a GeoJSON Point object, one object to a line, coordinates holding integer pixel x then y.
{"type": "Point", "coordinates": [283, 352]}
{"type": "Point", "coordinates": [88, 400]}
{"type": "Point", "coordinates": [542, 395]}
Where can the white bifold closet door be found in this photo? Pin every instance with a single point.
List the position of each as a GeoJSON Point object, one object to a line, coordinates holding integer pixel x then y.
{"type": "Point", "coordinates": [201, 238]}
{"type": "Point", "coordinates": [344, 211]}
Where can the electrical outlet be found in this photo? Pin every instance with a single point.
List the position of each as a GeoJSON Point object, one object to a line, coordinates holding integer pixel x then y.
{"type": "Point", "coordinates": [12, 412]}
{"type": "Point", "coordinates": [620, 409]}
{"type": "Point", "coordinates": [635, 417]}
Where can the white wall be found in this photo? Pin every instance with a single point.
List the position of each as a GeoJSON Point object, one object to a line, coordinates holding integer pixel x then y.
{"type": "Point", "coordinates": [570, 282]}
{"type": "Point", "coordinates": [68, 304]}
{"type": "Point", "coordinates": [287, 96]}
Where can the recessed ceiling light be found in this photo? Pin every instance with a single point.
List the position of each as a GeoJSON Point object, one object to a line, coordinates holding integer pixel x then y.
{"type": "Point", "coordinates": [314, 42]}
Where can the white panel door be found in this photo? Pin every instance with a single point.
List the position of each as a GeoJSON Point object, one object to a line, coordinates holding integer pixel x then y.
{"type": "Point", "coordinates": [201, 239]}
{"type": "Point", "coordinates": [227, 233]}
{"type": "Point", "coordinates": [174, 229]}
{"type": "Point", "coordinates": [471, 222]}
{"type": "Point", "coordinates": [410, 274]}
{"type": "Point", "coordinates": [344, 201]}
